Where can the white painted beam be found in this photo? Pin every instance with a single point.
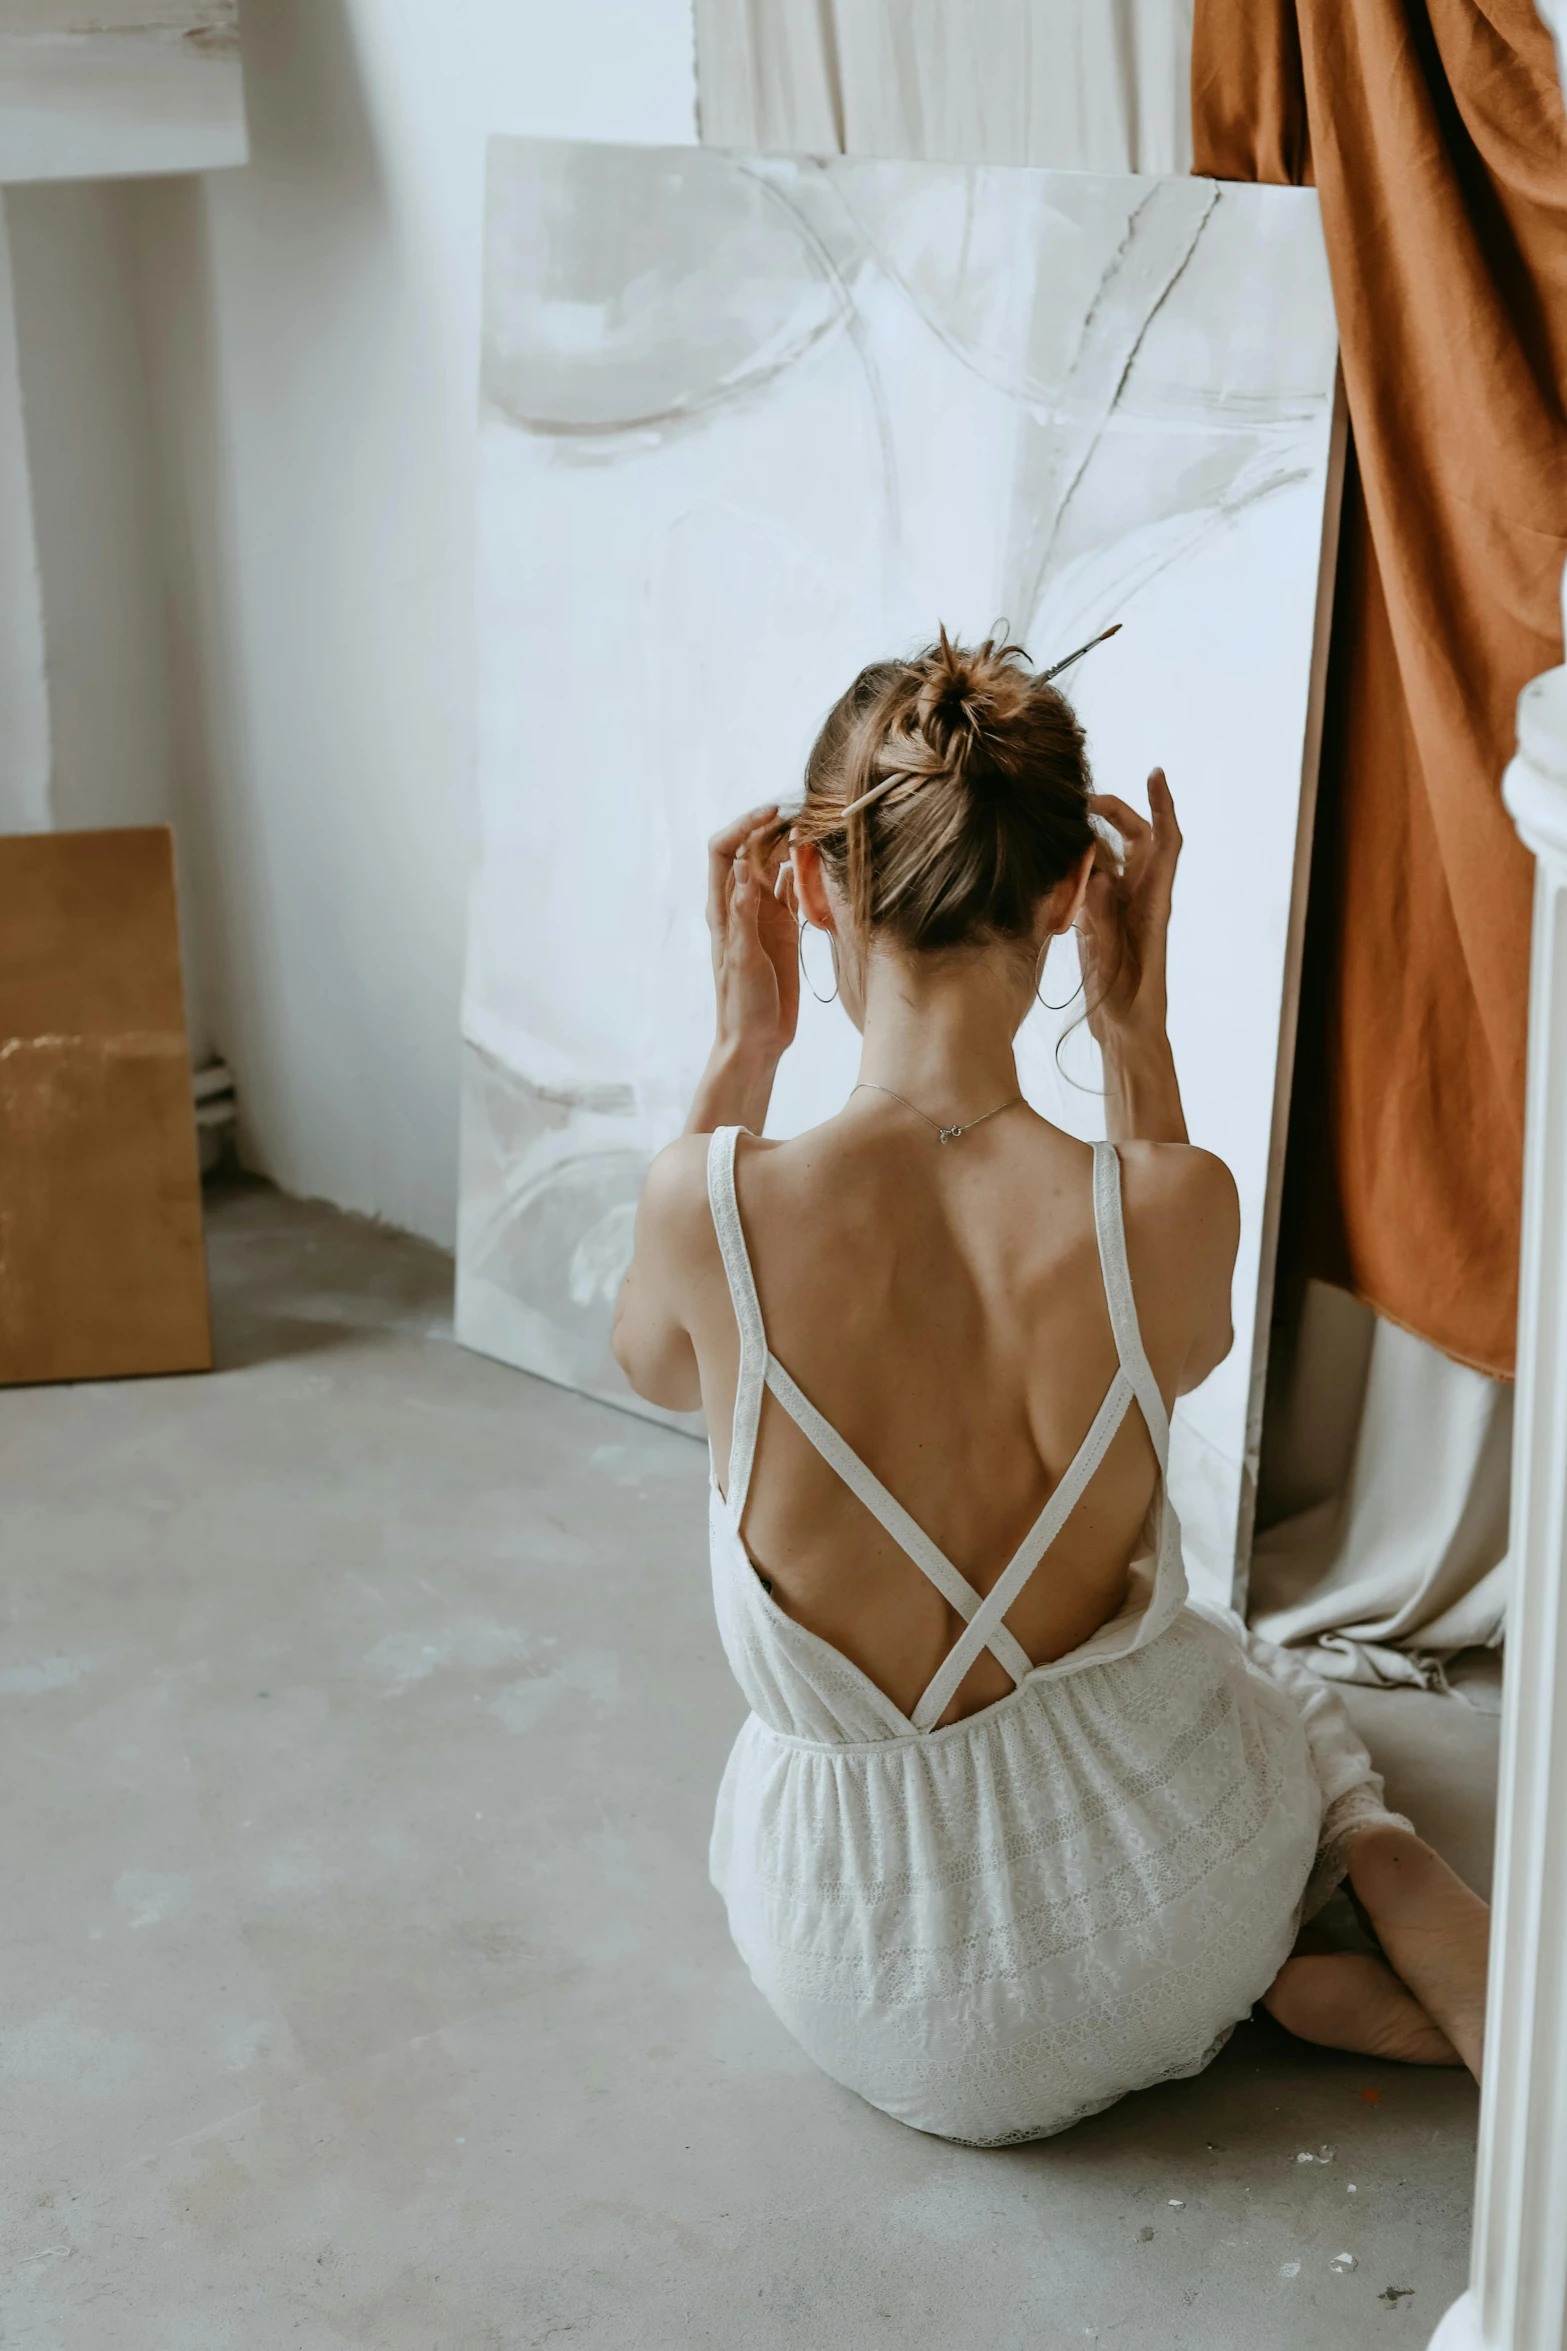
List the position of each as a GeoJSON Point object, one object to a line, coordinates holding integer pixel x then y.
{"type": "Point", "coordinates": [1518, 2283]}
{"type": "Point", "coordinates": [1517, 2298]}
{"type": "Point", "coordinates": [100, 89]}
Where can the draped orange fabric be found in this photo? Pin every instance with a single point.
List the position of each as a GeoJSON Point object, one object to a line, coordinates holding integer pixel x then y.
{"type": "Point", "coordinates": [1434, 134]}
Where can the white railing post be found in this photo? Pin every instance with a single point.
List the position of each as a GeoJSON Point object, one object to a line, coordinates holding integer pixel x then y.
{"type": "Point", "coordinates": [1517, 2298]}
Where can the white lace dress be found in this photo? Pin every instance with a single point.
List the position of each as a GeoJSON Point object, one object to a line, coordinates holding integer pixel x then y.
{"type": "Point", "coordinates": [993, 1929]}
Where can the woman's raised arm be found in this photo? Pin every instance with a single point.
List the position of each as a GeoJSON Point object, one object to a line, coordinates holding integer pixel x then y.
{"type": "Point", "coordinates": [756, 987]}
{"type": "Point", "coordinates": [756, 973]}
{"type": "Point", "coordinates": [1123, 929]}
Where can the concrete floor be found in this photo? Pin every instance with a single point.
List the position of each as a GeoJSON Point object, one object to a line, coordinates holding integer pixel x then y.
{"type": "Point", "coordinates": [362, 1982]}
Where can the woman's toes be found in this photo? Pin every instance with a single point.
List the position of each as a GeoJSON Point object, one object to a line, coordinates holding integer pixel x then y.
{"type": "Point", "coordinates": [1349, 2000]}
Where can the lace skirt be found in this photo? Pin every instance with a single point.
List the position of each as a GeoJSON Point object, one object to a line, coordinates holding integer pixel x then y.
{"type": "Point", "coordinates": [998, 1928]}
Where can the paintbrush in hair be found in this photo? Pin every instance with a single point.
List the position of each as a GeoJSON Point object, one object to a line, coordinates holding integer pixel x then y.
{"type": "Point", "coordinates": [1113, 630]}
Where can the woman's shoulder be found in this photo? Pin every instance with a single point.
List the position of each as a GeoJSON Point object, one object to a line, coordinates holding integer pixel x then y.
{"type": "Point", "coordinates": [1164, 1182]}
{"type": "Point", "coordinates": [1182, 1218]}
{"type": "Point", "coordinates": [675, 1197]}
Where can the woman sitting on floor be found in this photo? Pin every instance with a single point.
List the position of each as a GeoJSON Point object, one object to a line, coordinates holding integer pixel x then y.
{"type": "Point", "coordinates": [1012, 1828]}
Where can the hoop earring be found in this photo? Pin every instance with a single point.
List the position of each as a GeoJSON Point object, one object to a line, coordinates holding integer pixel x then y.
{"type": "Point", "coordinates": [804, 973]}
{"type": "Point", "coordinates": [1043, 1002]}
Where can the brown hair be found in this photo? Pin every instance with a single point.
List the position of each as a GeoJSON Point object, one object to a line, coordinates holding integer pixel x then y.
{"type": "Point", "coordinates": [980, 785]}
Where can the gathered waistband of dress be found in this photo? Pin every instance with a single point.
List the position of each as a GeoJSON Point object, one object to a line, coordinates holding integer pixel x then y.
{"type": "Point", "coordinates": [899, 1742]}
{"type": "Point", "coordinates": [1000, 1710]}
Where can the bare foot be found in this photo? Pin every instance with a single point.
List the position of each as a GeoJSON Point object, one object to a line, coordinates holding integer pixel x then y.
{"type": "Point", "coordinates": [1349, 2000]}
{"type": "Point", "coordinates": [1435, 1932]}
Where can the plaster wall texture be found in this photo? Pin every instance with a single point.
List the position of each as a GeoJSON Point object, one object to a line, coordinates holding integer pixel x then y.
{"type": "Point", "coordinates": [312, 328]}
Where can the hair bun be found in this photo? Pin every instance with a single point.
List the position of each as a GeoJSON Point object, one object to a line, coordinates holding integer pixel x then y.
{"type": "Point", "coordinates": [969, 699]}
{"type": "Point", "coordinates": [948, 794]}
{"type": "Point", "coordinates": [955, 699]}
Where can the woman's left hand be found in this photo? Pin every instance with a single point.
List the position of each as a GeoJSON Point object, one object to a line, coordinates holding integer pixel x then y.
{"type": "Point", "coordinates": [756, 967]}
{"type": "Point", "coordinates": [1125, 918]}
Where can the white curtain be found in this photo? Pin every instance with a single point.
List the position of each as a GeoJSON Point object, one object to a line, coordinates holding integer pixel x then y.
{"type": "Point", "coordinates": [1083, 85]}
{"type": "Point", "coordinates": [1385, 1478]}
{"type": "Point", "coordinates": [1385, 1466]}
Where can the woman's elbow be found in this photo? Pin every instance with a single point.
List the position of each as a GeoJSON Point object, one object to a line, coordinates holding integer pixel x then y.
{"type": "Point", "coordinates": [620, 1349]}
{"type": "Point", "coordinates": [623, 1344]}
{"type": "Point", "coordinates": [1206, 1357]}
{"type": "Point", "coordinates": [659, 1367]}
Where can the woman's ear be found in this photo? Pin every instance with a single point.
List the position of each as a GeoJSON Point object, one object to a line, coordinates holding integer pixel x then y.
{"type": "Point", "coordinates": [1077, 881]}
{"type": "Point", "coordinates": [1064, 904]}
{"type": "Point", "coordinates": [810, 886]}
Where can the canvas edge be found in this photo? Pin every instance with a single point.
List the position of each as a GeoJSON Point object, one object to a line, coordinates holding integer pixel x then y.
{"type": "Point", "coordinates": [1289, 1013]}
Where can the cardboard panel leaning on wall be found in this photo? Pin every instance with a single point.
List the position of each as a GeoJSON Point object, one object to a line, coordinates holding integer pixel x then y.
{"type": "Point", "coordinates": [103, 1272]}
{"type": "Point", "coordinates": [750, 422]}
{"type": "Point", "coordinates": [119, 87]}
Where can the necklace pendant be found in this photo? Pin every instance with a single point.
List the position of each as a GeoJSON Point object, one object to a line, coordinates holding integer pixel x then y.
{"type": "Point", "coordinates": [947, 1134]}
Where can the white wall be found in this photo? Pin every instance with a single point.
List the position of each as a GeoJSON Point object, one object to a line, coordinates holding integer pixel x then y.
{"type": "Point", "coordinates": [95, 518]}
{"type": "Point", "coordinates": [312, 329]}
{"type": "Point", "coordinates": [24, 693]}
{"type": "Point", "coordinates": [84, 718]}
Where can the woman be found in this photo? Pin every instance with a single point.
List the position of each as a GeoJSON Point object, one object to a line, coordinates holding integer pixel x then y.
{"type": "Point", "coordinates": [1012, 1828]}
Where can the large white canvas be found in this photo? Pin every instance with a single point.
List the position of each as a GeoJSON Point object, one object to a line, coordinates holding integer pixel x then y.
{"type": "Point", "coordinates": [96, 89]}
{"type": "Point", "coordinates": [750, 422]}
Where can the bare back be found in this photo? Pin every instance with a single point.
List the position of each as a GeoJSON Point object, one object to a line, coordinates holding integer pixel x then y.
{"type": "Point", "coordinates": [943, 1307]}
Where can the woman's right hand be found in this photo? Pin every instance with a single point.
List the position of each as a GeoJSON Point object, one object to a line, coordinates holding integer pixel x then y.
{"type": "Point", "coordinates": [1125, 918]}
{"type": "Point", "coordinates": [756, 966]}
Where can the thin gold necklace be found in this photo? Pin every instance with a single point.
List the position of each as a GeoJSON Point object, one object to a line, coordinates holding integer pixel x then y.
{"type": "Point", "coordinates": [946, 1134]}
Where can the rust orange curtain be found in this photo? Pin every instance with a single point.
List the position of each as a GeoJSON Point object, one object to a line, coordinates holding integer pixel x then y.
{"type": "Point", "coordinates": [1434, 134]}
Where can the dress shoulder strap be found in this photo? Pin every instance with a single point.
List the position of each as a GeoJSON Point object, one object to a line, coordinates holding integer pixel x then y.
{"type": "Point", "coordinates": [748, 1315]}
{"type": "Point", "coordinates": [1111, 1229]}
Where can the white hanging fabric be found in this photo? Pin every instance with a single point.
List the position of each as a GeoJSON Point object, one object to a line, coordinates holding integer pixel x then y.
{"type": "Point", "coordinates": [1386, 1471]}
{"type": "Point", "coordinates": [1079, 85]}
{"type": "Point", "coordinates": [1390, 1554]}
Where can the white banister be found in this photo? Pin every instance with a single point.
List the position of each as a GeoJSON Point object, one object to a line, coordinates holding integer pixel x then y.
{"type": "Point", "coordinates": [1517, 2298]}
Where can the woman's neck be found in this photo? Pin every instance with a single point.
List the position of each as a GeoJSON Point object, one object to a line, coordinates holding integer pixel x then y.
{"type": "Point", "coordinates": [938, 1030]}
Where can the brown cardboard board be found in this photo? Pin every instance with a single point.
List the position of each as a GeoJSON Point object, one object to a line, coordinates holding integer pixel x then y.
{"type": "Point", "coordinates": [102, 1270]}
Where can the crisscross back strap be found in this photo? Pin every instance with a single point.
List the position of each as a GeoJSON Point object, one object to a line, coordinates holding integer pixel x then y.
{"type": "Point", "coordinates": [954, 1587]}
{"type": "Point", "coordinates": [759, 1368]}
{"type": "Point", "coordinates": [1122, 1304]}
{"type": "Point", "coordinates": [748, 1316]}
{"type": "Point", "coordinates": [1134, 1378]}
{"type": "Point", "coordinates": [982, 1628]}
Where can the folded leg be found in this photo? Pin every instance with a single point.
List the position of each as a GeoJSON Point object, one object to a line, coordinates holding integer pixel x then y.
{"type": "Point", "coordinates": [1351, 2000]}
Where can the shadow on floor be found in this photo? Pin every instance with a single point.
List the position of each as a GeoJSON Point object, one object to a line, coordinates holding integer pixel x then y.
{"type": "Point", "coordinates": [292, 1278]}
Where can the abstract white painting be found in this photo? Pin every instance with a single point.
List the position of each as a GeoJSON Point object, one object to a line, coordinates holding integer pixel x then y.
{"type": "Point", "coordinates": [750, 422]}
{"type": "Point", "coordinates": [119, 87]}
